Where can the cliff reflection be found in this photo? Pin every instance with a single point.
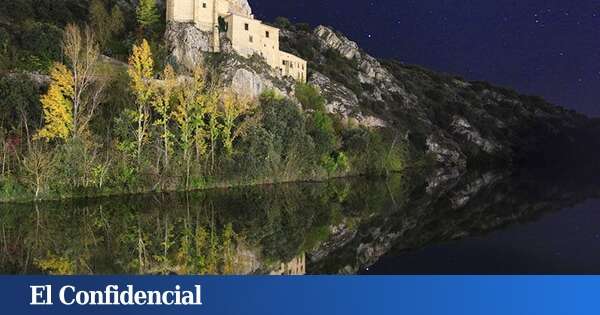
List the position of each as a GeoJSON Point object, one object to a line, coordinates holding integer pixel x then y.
{"type": "Point", "coordinates": [335, 227]}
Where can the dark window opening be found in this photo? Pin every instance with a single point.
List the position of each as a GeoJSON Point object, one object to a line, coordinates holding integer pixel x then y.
{"type": "Point", "coordinates": [223, 25]}
{"type": "Point", "coordinates": [246, 26]}
{"type": "Point", "coordinates": [267, 34]}
{"type": "Point", "coordinates": [251, 39]}
{"type": "Point", "coordinates": [204, 5]}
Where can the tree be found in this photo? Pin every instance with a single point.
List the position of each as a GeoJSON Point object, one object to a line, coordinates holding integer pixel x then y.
{"type": "Point", "coordinates": [147, 14]}
{"type": "Point", "coordinates": [228, 250]}
{"type": "Point", "coordinates": [162, 104]}
{"type": "Point", "coordinates": [57, 105]}
{"type": "Point", "coordinates": [20, 107]}
{"type": "Point", "coordinates": [117, 21]}
{"type": "Point", "coordinates": [213, 125]}
{"type": "Point", "coordinates": [141, 72]}
{"type": "Point", "coordinates": [105, 24]}
{"type": "Point", "coordinates": [189, 117]}
{"type": "Point", "coordinates": [323, 133]}
{"type": "Point", "coordinates": [100, 21]}
{"type": "Point", "coordinates": [81, 51]}
{"type": "Point", "coordinates": [233, 108]}
{"type": "Point", "coordinates": [283, 22]}
{"type": "Point", "coordinates": [4, 45]}
{"type": "Point", "coordinates": [310, 97]}
{"type": "Point", "coordinates": [38, 166]}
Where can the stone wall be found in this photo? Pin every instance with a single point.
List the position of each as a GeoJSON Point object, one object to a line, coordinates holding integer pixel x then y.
{"type": "Point", "coordinates": [248, 36]}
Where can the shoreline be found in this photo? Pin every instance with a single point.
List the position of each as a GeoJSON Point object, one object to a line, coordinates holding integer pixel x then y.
{"type": "Point", "coordinates": [214, 186]}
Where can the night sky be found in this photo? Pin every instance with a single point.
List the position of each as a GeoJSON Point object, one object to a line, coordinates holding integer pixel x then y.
{"type": "Point", "coordinates": [549, 48]}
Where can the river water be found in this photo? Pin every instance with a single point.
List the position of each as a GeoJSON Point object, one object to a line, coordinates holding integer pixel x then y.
{"type": "Point", "coordinates": [475, 223]}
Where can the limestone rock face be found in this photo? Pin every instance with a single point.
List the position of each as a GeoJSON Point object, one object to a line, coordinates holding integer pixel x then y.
{"type": "Point", "coordinates": [333, 40]}
{"type": "Point", "coordinates": [340, 99]}
{"type": "Point", "coordinates": [462, 127]}
{"type": "Point", "coordinates": [251, 77]}
{"type": "Point", "coordinates": [370, 70]}
{"type": "Point", "coordinates": [248, 83]}
{"type": "Point", "coordinates": [240, 7]}
{"type": "Point", "coordinates": [186, 45]}
{"type": "Point", "coordinates": [343, 102]}
{"type": "Point", "coordinates": [445, 151]}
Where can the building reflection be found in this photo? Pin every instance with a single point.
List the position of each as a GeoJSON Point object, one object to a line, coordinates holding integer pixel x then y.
{"type": "Point", "coordinates": [295, 267]}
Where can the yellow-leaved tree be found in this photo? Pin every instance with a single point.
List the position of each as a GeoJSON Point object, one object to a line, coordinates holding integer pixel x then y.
{"type": "Point", "coordinates": [162, 105]}
{"type": "Point", "coordinates": [141, 73]}
{"type": "Point", "coordinates": [57, 105]}
{"type": "Point", "coordinates": [76, 89]}
{"type": "Point", "coordinates": [189, 118]}
{"type": "Point", "coordinates": [234, 106]}
{"type": "Point", "coordinates": [213, 127]}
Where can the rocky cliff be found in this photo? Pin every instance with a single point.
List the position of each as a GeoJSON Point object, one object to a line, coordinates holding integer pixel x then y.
{"type": "Point", "coordinates": [453, 120]}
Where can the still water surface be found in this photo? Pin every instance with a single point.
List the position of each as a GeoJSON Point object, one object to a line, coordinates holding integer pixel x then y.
{"type": "Point", "coordinates": [482, 223]}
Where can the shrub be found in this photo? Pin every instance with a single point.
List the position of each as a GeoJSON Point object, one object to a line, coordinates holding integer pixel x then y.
{"type": "Point", "coordinates": [283, 22]}
{"type": "Point", "coordinates": [40, 40]}
{"type": "Point", "coordinates": [323, 134]}
{"type": "Point", "coordinates": [310, 97]}
{"type": "Point", "coordinates": [285, 122]}
{"type": "Point", "coordinates": [18, 100]}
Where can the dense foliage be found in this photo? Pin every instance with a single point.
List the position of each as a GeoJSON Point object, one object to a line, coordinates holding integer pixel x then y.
{"type": "Point", "coordinates": [94, 126]}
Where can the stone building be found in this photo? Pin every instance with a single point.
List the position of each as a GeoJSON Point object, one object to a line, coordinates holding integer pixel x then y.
{"type": "Point", "coordinates": [248, 36]}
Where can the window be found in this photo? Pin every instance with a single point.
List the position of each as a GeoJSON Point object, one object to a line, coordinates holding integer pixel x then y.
{"type": "Point", "coordinates": [246, 26]}
{"type": "Point", "coordinates": [204, 5]}
{"type": "Point", "coordinates": [267, 34]}
{"type": "Point", "coordinates": [251, 39]}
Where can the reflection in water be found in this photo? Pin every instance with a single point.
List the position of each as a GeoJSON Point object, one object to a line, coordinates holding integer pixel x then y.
{"type": "Point", "coordinates": [295, 267]}
{"type": "Point", "coordinates": [342, 226]}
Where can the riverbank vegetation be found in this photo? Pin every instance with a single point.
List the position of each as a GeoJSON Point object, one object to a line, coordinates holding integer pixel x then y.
{"type": "Point", "coordinates": [85, 125]}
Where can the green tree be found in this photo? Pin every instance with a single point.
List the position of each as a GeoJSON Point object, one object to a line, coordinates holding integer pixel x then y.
{"type": "Point", "coordinates": [310, 97]}
{"type": "Point", "coordinates": [117, 21]}
{"type": "Point", "coordinates": [4, 44]}
{"type": "Point", "coordinates": [39, 40]}
{"type": "Point", "coordinates": [104, 24]}
{"type": "Point", "coordinates": [322, 131]}
{"type": "Point", "coordinates": [100, 21]}
{"type": "Point", "coordinates": [19, 104]}
{"type": "Point", "coordinates": [147, 14]}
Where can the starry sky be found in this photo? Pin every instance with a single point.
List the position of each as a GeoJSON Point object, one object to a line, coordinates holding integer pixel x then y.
{"type": "Point", "coordinates": [549, 48]}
